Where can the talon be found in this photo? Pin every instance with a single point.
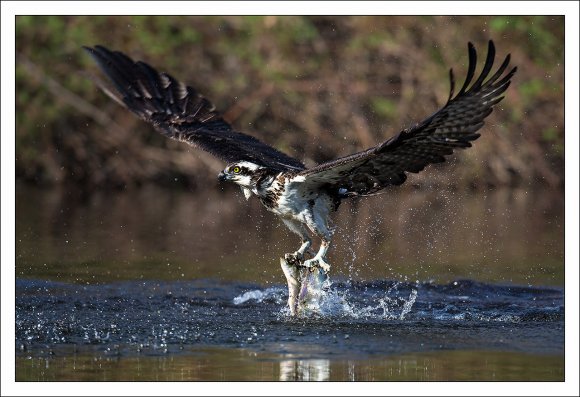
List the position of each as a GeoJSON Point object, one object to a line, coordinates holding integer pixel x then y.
{"type": "Point", "coordinates": [294, 258]}
{"type": "Point", "coordinates": [309, 263]}
{"type": "Point", "coordinates": [314, 262]}
{"type": "Point", "coordinates": [324, 266]}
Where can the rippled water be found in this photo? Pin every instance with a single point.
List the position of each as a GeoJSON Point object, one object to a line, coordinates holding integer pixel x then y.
{"type": "Point", "coordinates": [109, 291]}
{"type": "Point", "coordinates": [358, 320]}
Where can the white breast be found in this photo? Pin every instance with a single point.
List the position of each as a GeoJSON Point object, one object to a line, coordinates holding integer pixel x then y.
{"type": "Point", "coordinates": [294, 202]}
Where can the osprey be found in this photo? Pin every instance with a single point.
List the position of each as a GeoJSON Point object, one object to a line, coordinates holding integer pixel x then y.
{"type": "Point", "coordinates": [304, 198]}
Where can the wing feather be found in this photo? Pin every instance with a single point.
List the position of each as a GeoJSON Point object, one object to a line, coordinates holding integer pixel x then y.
{"type": "Point", "coordinates": [180, 112]}
{"type": "Point", "coordinates": [454, 126]}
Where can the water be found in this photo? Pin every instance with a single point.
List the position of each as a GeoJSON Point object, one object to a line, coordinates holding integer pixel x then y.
{"type": "Point", "coordinates": [125, 287]}
{"type": "Point", "coordinates": [154, 234]}
{"type": "Point", "coordinates": [364, 322]}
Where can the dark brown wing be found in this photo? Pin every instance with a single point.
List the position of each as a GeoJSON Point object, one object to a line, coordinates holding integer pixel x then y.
{"type": "Point", "coordinates": [180, 112]}
{"type": "Point", "coordinates": [453, 126]}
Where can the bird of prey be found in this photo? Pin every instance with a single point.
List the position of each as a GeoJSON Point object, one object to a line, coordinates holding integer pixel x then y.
{"type": "Point", "coordinates": [304, 198]}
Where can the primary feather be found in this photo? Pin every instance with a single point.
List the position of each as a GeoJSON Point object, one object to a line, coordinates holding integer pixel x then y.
{"type": "Point", "coordinates": [180, 112]}
{"type": "Point", "coordinates": [455, 125]}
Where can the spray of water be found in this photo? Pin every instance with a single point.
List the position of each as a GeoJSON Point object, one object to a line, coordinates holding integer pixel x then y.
{"type": "Point", "coordinates": [340, 301]}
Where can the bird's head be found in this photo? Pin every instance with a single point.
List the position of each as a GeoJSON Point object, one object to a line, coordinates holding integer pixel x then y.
{"type": "Point", "coordinates": [243, 173]}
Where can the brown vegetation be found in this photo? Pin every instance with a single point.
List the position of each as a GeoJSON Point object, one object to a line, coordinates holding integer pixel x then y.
{"type": "Point", "coordinates": [314, 87]}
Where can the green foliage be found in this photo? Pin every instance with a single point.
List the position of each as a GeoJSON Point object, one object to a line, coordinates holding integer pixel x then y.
{"type": "Point", "coordinates": [550, 134]}
{"type": "Point", "coordinates": [384, 107]}
{"type": "Point", "coordinates": [537, 33]}
{"type": "Point", "coordinates": [531, 90]}
{"type": "Point", "coordinates": [500, 23]}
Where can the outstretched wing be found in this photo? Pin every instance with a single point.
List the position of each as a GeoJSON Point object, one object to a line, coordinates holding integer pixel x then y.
{"type": "Point", "coordinates": [411, 150]}
{"type": "Point", "coordinates": [180, 112]}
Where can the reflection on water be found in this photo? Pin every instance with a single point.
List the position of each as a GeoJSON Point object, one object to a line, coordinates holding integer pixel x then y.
{"type": "Point", "coordinates": [305, 370]}
{"type": "Point", "coordinates": [243, 364]}
{"type": "Point", "coordinates": [505, 236]}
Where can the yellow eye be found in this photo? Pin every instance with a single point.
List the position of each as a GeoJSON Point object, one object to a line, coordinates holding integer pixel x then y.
{"type": "Point", "coordinates": [236, 170]}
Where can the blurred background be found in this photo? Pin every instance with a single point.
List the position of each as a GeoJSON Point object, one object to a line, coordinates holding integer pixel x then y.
{"type": "Point", "coordinates": [101, 196]}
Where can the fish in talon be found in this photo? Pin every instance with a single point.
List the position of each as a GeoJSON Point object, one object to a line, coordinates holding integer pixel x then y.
{"type": "Point", "coordinates": [293, 279]}
{"type": "Point", "coordinates": [306, 286]}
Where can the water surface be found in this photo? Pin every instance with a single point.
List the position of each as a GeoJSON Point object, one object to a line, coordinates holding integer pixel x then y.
{"type": "Point", "coordinates": [507, 236]}
{"type": "Point", "coordinates": [359, 325]}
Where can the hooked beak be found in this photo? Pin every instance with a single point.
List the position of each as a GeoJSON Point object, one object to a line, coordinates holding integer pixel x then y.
{"type": "Point", "coordinates": [222, 177]}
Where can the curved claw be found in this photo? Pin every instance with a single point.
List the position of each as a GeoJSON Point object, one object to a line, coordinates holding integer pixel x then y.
{"type": "Point", "coordinates": [294, 258]}
{"type": "Point", "coordinates": [317, 262]}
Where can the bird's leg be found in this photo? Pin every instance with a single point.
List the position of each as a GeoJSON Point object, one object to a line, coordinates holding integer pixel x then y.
{"type": "Point", "coordinates": [297, 256]}
{"type": "Point", "coordinates": [320, 257]}
{"type": "Point", "coordinates": [319, 226]}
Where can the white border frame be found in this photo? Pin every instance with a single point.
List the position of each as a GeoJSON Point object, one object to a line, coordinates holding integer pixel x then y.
{"type": "Point", "coordinates": [11, 9]}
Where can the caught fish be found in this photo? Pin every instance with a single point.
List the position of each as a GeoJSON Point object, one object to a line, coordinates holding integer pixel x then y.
{"type": "Point", "coordinates": [306, 286]}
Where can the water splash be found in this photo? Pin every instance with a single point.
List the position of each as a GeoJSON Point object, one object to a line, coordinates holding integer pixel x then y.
{"type": "Point", "coordinates": [408, 304]}
{"type": "Point", "coordinates": [340, 301]}
{"type": "Point", "coordinates": [272, 293]}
